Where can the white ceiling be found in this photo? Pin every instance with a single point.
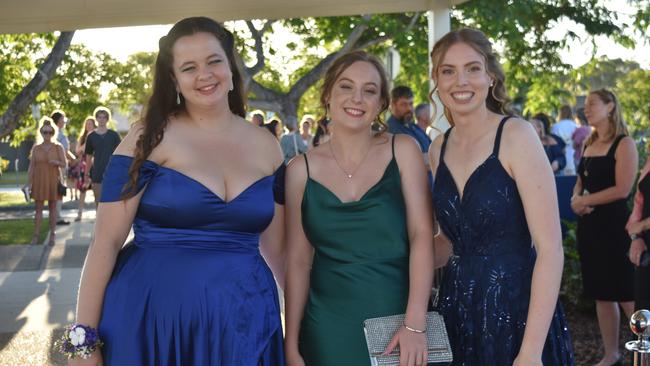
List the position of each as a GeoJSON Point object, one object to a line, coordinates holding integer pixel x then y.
{"type": "Point", "coordinates": [26, 16]}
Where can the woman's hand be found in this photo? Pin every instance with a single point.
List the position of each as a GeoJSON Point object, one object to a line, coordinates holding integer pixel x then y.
{"type": "Point", "coordinates": [579, 207]}
{"type": "Point", "coordinates": [293, 357]}
{"type": "Point", "coordinates": [412, 347]}
{"type": "Point", "coordinates": [95, 359]}
{"type": "Point", "coordinates": [636, 228]}
{"type": "Point", "coordinates": [55, 162]}
{"type": "Point", "coordinates": [637, 248]}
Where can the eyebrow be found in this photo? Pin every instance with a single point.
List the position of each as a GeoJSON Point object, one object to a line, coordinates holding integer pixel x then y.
{"type": "Point", "coordinates": [467, 64]}
{"type": "Point", "coordinates": [350, 80]}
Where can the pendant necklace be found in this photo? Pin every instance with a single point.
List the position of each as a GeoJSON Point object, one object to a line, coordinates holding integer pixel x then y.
{"type": "Point", "coordinates": [348, 175]}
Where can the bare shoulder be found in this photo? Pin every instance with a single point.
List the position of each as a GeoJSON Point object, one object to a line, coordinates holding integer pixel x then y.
{"type": "Point", "coordinates": [626, 146]}
{"type": "Point", "coordinates": [296, 171]}
{"type": "Point", "coordinates": [518, 133]}
{"type": "Point", "coordinates": [128, 144]}
{"type": "Point", "coordinates": [405, 145]}
{"type": "Point", "coordinates": [435, 147]}
{"type": "Point", "coordinates": [265, 144]}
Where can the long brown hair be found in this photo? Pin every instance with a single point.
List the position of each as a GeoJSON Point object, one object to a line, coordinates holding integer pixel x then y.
{"type": "Point", "coordinates": [497, 100]}
{"type": "Point", "coordinates": [615, 118]}
{"type": "Point", "coordinates": [162, 104]}
{"type": "Point", "coordinates": [84, 134]}
{"type": "Point", "coordinates": [341, 64]}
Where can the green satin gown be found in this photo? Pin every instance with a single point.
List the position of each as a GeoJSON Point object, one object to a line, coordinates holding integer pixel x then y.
{"type": "Point", "coordinates": [359, 271]}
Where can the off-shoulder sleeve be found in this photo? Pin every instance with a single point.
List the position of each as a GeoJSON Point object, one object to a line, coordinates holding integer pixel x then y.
{"type": "Point", "coordinates": [278, 184]}
{"type": "Point", "coordinates": [116, 177]}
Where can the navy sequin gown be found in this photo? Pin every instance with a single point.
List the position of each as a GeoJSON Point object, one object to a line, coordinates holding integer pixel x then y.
{"type": "Point", "coordinates": [486, 285]}
{"type": "Point", "coordinates": [193, 289]}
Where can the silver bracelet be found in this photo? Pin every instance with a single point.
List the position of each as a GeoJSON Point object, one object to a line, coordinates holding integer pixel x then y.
{"type": "Point", "coordinates": [414, 330]}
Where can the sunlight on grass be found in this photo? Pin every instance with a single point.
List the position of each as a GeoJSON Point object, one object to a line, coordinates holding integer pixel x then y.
{"type": "Point", "coordinates": [20, 231]}
{"type": "Point", "coordinates": [13, 199]}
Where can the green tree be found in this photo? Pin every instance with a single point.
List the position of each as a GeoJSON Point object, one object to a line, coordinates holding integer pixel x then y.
{"type": "Point", "coordinates": [133, 80]}
{"type": "Point", "coordinates": [633, 90]}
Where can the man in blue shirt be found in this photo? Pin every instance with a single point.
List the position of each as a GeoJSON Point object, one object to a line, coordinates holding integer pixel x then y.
{"type": "Point", "coordinates": [401, 119]}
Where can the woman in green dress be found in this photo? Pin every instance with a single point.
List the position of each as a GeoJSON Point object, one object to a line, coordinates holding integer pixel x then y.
{"type": "Point", "coordinates": [360, 241]}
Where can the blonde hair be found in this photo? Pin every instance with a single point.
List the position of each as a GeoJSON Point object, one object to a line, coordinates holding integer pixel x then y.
{"type": "Point", "coordinates": [46, 121]}
{"type": "Point", "coordinates": [615, 118]}
{"type": "Point", "coordinates": [497, 100]}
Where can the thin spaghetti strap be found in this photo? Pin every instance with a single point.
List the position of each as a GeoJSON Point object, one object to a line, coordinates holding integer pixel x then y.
{"type": "Point", "coordinates": [393, 146]}
{"type": "Point", "coordinates": [444, 143]}
{"type": "Point", "coordinates": [497, 139]}
{"type": "Point", "coordinates": [612, 149]}
{"type": "Point", "coordinates": [306, 164]}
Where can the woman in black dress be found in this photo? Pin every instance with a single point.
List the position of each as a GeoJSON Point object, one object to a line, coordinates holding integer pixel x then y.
{"type": "Point", "coordinates": [605, 177]}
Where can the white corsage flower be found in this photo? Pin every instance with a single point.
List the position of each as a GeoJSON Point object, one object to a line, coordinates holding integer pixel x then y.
{"type": "Point", "coordinates": [77, 336]}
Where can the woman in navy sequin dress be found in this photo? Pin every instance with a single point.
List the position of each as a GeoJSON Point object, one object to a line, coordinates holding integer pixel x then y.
{"type": "Point", "coordinates": [193, 289]}
{"type": "Point", "coordinates": [494, 196]}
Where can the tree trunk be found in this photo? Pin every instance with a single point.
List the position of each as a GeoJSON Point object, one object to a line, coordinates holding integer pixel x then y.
{"type": "Point", "coordinates": [9, 119]}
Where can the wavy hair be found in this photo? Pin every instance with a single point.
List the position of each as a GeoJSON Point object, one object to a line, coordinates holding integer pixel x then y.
{"type": "Point", "coordinates": [341, 64]}
{"type": "Point", "coordinates": [497, 100]}
{"type": "Point", "coordinates": [162, 103]}
{"type": "Point", "coordinates": [615, 118]}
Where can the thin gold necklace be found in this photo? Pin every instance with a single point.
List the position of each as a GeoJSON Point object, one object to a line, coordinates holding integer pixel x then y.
{"type": "Point", "coordinates": [348, 175]}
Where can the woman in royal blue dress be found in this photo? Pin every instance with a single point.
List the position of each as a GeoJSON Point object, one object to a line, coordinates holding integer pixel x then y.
{"type": "Point", "coordinates": [193, 288]}
{"type": "Point", "coordinates": [494, 197]}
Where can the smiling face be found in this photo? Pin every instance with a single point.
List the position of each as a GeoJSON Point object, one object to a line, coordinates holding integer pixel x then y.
{"type": "Point", "coordinates": [462, 80]}
{"type": "Point", "coordinates": [354, 100]}
{"type": "Point", "coordinates": [201, 70]}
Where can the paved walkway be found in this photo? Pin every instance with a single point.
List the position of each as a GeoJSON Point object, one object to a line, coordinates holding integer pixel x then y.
{"type": "Point", "coordinates": [38, 289]}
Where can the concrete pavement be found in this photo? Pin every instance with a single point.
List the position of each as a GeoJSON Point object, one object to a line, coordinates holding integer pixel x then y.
{"type": "Point", "coordinates": [38, 288]}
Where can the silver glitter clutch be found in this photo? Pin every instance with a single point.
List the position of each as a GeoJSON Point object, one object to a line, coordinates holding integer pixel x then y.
{"type": "Point", "coordinates": [379, 332]}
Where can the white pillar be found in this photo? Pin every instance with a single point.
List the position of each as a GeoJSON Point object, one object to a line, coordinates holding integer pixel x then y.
{"type": "Point", "coordinates": [439, 20]}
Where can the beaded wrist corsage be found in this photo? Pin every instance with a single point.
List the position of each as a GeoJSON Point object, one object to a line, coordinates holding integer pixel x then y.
{"type": "Point", "coordinates": [78, 340]}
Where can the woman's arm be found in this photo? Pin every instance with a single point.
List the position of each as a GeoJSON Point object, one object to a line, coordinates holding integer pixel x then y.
{"type": "Point", "coordinates": [273, 239]}
{"type": "Point", "coordinates": [627, 162]}
{"type": "Point", "coordinates": [419, 219]}
{"type": "Point", "coordinates": [299, 259]}
{"type": "Point", "coordinates": [60, 160]}
{"type": "Point", "coordinates": [636, 223]}
{"type": "Point", "coordinates": [529, 167]}
{"type": "Point", "coordinates": [442, 247]}
{"type": "Point", "coordinates": [112, 227]}
{"type": "Point", "coordinates": [30, 169]}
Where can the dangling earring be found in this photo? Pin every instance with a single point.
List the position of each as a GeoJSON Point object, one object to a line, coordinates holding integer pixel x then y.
{"type": "Point", "coordinates": [178, 98]}
{"type": "Point", "coordinates": [491, 83]}
{"type": "Point", "coordinates": [232, 86]}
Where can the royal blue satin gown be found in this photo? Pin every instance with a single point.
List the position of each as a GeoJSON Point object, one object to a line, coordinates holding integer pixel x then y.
{"type": "Point", "coordinates": [193, 288]}
{"type": "Point", "coordinates": [486, 285]}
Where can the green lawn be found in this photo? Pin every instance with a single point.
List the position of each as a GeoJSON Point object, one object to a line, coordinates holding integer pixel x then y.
{"type": "Point", "coordinates": [14, 199]}
{"type": "Point", "coordinates": [13, 179]}
{"type": "Point", "coordinates": [20, 231]}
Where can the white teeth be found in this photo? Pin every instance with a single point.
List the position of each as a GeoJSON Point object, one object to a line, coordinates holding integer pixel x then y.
{"type": "Point", "coordinates": [353, 111]}
{"type": "Point", "coordinates": [462, 95]}
{"type": "Point", "coordinates": [207, 88]}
